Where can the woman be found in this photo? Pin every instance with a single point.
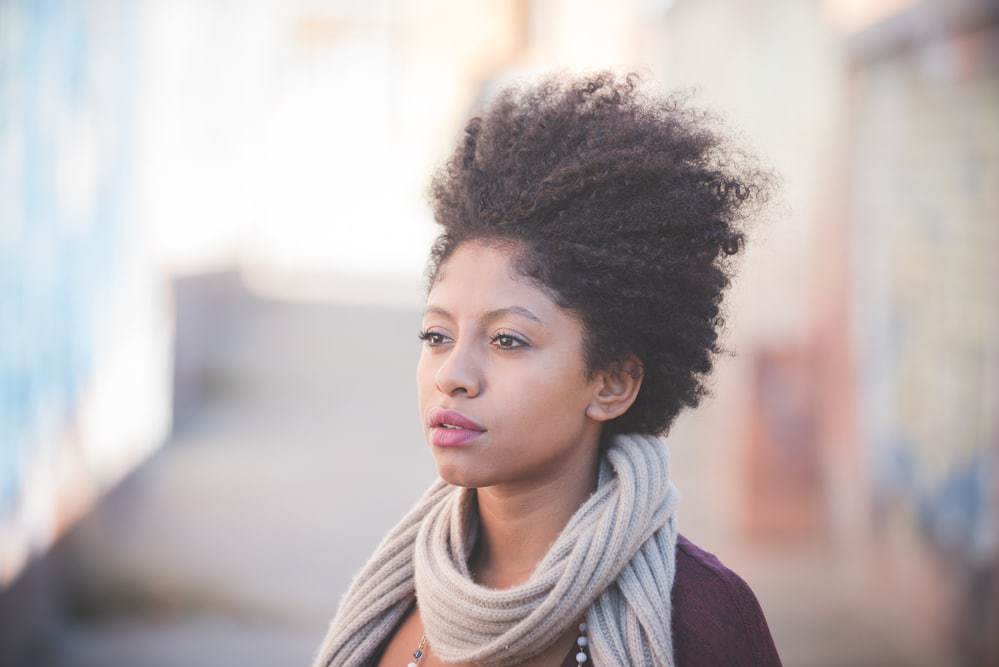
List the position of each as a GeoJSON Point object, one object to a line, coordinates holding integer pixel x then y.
{"type": "Point", "coordinates": [572, 311]}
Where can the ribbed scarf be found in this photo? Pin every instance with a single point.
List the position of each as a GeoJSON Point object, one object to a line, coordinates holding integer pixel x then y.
{"type": "Point", "coordinates": [615, 558]}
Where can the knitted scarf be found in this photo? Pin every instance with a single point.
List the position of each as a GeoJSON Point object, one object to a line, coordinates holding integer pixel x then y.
{"type": "Point", "coordinates": [615, 560]}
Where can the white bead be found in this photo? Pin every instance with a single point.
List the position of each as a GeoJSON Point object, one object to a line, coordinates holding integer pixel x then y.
{"type": "Point", "coordinates": [412, 664]}
{"type": "Point", "coordinates": [580, 657]}
{"type": "Point", "coordinates": [582, 627]}
{"type": "Point", "coordinates": [581, 641]}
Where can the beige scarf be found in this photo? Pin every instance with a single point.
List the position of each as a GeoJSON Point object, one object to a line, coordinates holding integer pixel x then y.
{"type": "Point", "coordinates": [615, 558]}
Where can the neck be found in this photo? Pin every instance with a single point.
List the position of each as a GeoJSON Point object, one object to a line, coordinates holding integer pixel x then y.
{"type": "Point", "coordinates": [518, 522]}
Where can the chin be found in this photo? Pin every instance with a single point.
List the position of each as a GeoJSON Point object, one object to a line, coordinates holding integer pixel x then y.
{"type": "Point", "coordinates": [462, 473]}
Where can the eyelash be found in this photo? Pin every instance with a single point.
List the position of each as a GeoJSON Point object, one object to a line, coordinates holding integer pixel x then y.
{"type": "Point", "coordinates": [426, 335]}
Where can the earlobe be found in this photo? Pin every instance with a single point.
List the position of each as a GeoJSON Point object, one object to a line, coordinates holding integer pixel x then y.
{"type": "Point", "coordinates": [596, 412]}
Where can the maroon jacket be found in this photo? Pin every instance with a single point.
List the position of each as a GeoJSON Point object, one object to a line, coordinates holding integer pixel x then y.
{"type": "Point", "coordinates": [717, 619]}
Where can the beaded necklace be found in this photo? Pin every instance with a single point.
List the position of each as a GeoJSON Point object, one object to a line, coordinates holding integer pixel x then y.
{"type": "Point", "coordinates": [582, 644]}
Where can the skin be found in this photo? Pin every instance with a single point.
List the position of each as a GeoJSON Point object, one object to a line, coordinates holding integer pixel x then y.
{"type": "Point", "coordinates": [524, 381]}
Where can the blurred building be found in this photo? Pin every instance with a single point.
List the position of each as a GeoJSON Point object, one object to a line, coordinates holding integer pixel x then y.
{"type": "Point", "coordinates": [868, 334]}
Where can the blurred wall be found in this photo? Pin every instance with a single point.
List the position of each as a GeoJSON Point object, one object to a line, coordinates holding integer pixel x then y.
{"type": "Point", "coordinates": [84, 348]}
{"type": "Point", "coordinates": [923, 164]}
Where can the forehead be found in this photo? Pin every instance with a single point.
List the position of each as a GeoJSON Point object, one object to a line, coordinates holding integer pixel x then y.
{"type": "Point", "coordinates": [478, 277]}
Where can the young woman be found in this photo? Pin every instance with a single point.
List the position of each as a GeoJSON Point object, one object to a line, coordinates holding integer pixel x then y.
{"type": "Point", "coordinates": [572, 311]}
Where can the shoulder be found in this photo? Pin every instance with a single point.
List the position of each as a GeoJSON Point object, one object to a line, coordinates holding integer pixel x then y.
{"type": "Point", "coordinates": [716, 616]}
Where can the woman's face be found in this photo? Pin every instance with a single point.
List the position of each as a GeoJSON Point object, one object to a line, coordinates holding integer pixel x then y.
{"type": "Point", "coordinates": [503, 354]}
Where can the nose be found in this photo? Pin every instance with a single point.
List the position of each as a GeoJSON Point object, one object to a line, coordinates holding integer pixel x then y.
{"type": "Point", "coordinates": [459, 372]}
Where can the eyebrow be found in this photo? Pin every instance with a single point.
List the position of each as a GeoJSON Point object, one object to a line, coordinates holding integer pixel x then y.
{"type": "Point", "coordinates": [492, 314]}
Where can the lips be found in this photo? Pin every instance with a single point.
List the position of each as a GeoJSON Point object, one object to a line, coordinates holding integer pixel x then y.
{"type": "Point", "coordinates": [450, 428]}
{"type": "Point", "coordinates": [452, 418]}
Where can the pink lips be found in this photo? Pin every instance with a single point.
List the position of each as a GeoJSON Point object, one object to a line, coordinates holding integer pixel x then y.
{"type": "Point", "coordinates": [467, 431]}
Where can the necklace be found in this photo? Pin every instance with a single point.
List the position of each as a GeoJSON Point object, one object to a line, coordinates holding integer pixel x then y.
{"type": "Point", "coordinates": [582, 646]}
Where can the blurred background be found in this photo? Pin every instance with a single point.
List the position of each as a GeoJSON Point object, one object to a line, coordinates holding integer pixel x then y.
{"type": "Point", "coordinates": [212, 233]}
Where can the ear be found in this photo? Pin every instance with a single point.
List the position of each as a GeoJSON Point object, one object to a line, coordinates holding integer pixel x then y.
{"type": "Point", "coordinates": [616, 389]}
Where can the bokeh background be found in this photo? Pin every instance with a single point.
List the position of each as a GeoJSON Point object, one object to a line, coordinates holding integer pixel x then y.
{"type": "Point", "coordinates": [212, 233]}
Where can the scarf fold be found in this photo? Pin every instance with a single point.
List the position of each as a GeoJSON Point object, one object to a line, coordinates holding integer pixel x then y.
{"type": "Point", "coordinates": [615, 558]}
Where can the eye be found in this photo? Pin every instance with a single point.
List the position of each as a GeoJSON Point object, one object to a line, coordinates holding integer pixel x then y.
{"type": "Point", "coordinates": [507, 341]}
{"type": "Point", "coordinates": [432, 337]}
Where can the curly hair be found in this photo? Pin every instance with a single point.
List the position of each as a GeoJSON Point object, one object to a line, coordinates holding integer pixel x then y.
{"type": "Point", "coordinates": [624, 207]}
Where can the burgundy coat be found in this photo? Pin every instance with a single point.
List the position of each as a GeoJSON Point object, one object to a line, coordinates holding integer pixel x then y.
{"type": "Point", "coordinates": [717, 619]}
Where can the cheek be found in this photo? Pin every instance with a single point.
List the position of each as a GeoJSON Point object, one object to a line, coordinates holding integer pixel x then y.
{"type": "Point", "coordinates": [546, 404]}
{"type": "Point", "coordinates": [424, 374]}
